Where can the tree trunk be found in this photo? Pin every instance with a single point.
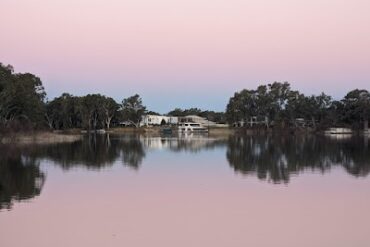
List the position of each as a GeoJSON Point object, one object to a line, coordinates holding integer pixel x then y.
{"type": "Point", "coordinates": [366, 125]}
{"type": "Point", "coordinates": [49, 121]}
{"type": "Point", "coordinates": [313, 122]}
{"type": "Point", "coordinates": [95, 121]}
{"type": "Point", "coordinates": [366, 141]}
{"type": "Point", "coordinates": [108, 140]}
{"type": "Point", "coordinates": [107, 122]}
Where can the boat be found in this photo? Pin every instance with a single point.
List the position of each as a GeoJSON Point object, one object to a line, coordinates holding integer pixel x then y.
{"type": "Point", "coordinates": [191, 127]}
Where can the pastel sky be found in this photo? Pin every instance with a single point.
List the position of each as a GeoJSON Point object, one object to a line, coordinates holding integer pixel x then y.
{"type": "Point", "coordinates": [188, 53]}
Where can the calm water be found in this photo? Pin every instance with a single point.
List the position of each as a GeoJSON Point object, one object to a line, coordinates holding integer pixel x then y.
{"type": "Point", "coordinates": [188, 191]}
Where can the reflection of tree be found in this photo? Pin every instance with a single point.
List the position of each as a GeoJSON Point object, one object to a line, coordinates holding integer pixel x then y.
{"type": "Point", "coordinates": [196, 145]}
{"type": "Point", "coordinates": [272, 158]}
{"type": "Point", "coordinates": [93, 152]}
{"type": "Point", "coordinates": [20, 177]}
{"type": "Point", "coordinates": [276, 157]}
{"type": "Point", "coordinates": [355, 157]}
{"type": "Point", "coordinates": [132, 150]}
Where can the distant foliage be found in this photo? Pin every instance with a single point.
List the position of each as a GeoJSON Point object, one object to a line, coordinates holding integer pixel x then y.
{"type": "Point", "coordinates": [133, 110]}
{"type": "Point", "coordinates": [218, 117]}
{"type": "Point", "coordinates": [21, 99]}
{"type": "Point", "coordinates": [23, 107]}
{"type": "Point", "coordinates": [280, 106]}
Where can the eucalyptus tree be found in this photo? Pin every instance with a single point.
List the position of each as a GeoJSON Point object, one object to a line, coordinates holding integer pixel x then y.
{"type": "Point", "coordinates": [277, 102]}
{"type": "Point", "coordinates": [90, 108]}
{"type": "Point", "coordinates": [316, 108]}
{"type": "Point", "coordinates": [295, 107]}
{"type": "Point", "coordinates": [241, 106]}
{"type": "Point", "coordinates": [218, 117]}
{"type": "Point", "coordinates": [132, 109]}
{"type": "Point", "coordinates": [177, 112]}
{"type": "Point", "coordinates": [63, 112]}
{"type": "Point", "coordinates": [268, 101]}
{"type": "Point", "coordinates": [21, 97]}
{"type": "Point", "coordinates": [357, 107]}
{"type": "Point", "coordinates": [6, 77]}
{"type": "Point", "coordinates": [109, 109]}
{"type": "Point", "coordinates": [278, 94]}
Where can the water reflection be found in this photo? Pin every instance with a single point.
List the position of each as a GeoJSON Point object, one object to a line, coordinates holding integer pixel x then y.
{"type": "Point", "coordinates": [275, 158]}
{"type": "Point", "coordinates": [183, 143]}
{"type": "Point", "coordinates": [20, 176]}
{"type": "Point", "coordinates": [270, 158]}
{"type": "Point", "coordinates": [95, 152]}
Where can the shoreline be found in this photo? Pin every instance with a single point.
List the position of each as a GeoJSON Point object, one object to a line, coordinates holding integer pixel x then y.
{"type": "Point", "coordinates": [42, 137]}
{"type": "Point", "coordinates": [72, 135]}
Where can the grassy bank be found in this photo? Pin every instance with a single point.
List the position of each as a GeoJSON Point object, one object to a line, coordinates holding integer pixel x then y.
{"type": "Point", "coordinates": [220, 131]}
{"type": "Point", "coordinates": [40, 137]}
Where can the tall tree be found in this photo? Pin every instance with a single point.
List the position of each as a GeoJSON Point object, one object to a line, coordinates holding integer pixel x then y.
{"type": "Point", "coordinates": [90, 107]}
{"type": "Point", "coordinates": [21, 97]}
{"type": "Point", "coordinates": [63, 112]}
{"type": "Point", "coordinates": [357, 107]}
{"type": "Point", "coordinates": [109, 109]}
{"type": "Point", "coordinates": [133, 110]}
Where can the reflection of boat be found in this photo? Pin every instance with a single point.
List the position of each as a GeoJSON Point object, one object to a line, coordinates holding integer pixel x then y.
{"type": "Point", "coordinates": [166, 130]}
{"type": "Point", "coordinates": [191, 127]}
{"type": "Point", "coordinates": [339, 131]}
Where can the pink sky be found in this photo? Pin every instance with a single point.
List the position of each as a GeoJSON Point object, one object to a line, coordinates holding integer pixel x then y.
{"type": "Point", "coordinates": [118, 47]}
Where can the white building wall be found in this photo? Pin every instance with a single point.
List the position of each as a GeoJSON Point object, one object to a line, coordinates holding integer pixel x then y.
{"type": "Point", "coordinates": [157, 120]}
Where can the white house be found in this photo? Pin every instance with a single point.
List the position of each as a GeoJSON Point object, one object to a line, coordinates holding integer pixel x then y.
{"type": "Point", "coordinates": [158, 120]}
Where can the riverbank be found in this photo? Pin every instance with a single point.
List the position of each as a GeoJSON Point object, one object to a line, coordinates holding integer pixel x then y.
{"type": "Point", "coordinates": [72, 135]}
{"type": "Point", "coordinates": [156, 130]}
{"type": "Point", "coordinates": [40, 137]}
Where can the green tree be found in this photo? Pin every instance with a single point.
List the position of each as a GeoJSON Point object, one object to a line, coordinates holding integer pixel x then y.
{"type": "Point", "coordinates": [177, 112]}
{"type": "Point", "coordinates": [21, 97]}
{"type": "Point", "coordinates": [90, 107]}
{"type": "Point", "coordinates": [357, 107]}
{"type": "Point", "coordinates": [109, 109]}
{"type": "Point", "coordinates": [133, 110]}
{"type": "Point", "coordinates": [63, 112]}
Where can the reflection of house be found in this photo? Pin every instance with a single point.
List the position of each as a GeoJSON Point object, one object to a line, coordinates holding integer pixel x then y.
{"type": "Point", "coordinates": [182, 142]}
{"type": "Point", "coordinates": [158, 120]}
{"type": "Point", "coordinates": [157, 142]}
{"type": "Point", "coordinates": [196, 119]}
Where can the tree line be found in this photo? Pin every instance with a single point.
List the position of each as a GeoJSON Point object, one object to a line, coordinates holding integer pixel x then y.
{"type": "Point", "coordinates": [218, 117]}
{"type": "Point", "coordinates": [277, 105]}
{"type": "Point", "coordinates": [23, 105]}
{"type": "Point", "coordinates": [93, 111]}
